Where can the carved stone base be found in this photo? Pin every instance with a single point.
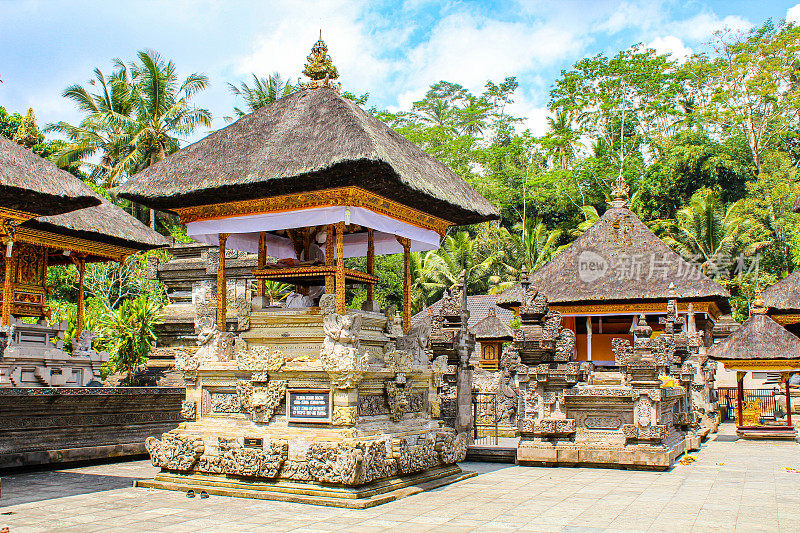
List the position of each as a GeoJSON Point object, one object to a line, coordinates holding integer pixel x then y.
{"type": "Point", "coordinates": [635, 457]}
{"type": "Point", "coordinates": [361, 497]}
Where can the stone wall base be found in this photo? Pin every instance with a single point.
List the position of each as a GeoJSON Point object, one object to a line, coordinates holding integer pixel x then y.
{"type": "Point", "coordinates": [588, 455]}
{"type": "Point", "coordinates": [72, 455]}
{"type": "Point", "coordinates": [362, 497]}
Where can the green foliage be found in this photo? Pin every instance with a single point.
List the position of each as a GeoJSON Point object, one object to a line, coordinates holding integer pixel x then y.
{"type": "Point", "coordinates": [128, 333]}
{"type": "Point", "coordinates": [264, 91]}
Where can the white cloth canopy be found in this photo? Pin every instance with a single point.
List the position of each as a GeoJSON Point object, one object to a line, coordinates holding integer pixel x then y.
{"type": "Point", "coordinates": [244, 231]}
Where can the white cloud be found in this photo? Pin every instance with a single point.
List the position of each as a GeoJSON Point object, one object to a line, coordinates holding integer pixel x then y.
{"type": "Point", "coordinates": [703, 25]}
{"type": "Point", "coordinates": [793, 14]}
{"type": "Point", "coordinates": [353, 45]}
{"type": "Point", "coordinates": [671, 45]}
{"type": "Point", "coordinates": [470, 50]}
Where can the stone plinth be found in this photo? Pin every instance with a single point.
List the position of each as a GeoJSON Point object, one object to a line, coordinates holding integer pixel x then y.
{"type": "Point", "coordinates": [60, 425]}
{"type": "Point", "coordinates": [309, 406]}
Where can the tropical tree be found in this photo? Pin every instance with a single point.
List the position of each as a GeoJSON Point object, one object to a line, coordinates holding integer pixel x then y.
{"type": "Point", "coordinates": [128, 334]}
{"type": "Point", "coordinates": [264, 91]}
{"type": "Point", "coordinates": [706, 230]}
{"type": "Point", "coordinates": [459, 253]}
{"type": "Point", "coordinates": [97, 134]}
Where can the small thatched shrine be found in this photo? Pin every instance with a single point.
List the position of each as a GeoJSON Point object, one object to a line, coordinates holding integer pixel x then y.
{"type": "Point", "coordinates": [309, 400]}
{"type": "Point", "coordinates": [33, 354]}
{"type": "Point", "coordinates": [491, 332]}
{"type": "Point", "coordinates": [762, 345]}
{"type": "Point", "coordinates": [783, 302]}
{"type": "Point", "coordinates": [32, 186]}
{"type": "Point", "coordinates": [613, 273]}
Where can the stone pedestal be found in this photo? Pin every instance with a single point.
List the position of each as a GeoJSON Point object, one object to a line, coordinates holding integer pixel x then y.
{"type": "Point", "coordinates": [312, 407]}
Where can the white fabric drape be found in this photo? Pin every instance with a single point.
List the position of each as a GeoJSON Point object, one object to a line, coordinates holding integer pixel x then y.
{"type": "Point", "coordinates": [244, 231]}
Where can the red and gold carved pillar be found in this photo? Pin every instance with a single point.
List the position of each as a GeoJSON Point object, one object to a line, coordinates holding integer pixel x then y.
{"type": "Point", "coordinates": [7, 282]}
{"type": "Point", "coordinates": [80, 264]}
{"type": "Point", "coordinates": [262, 261]}
{"type": "Point", "coordinates": [340, 303]}
{"type": "Point", "coordinates": [406, 244]}
{"type": "Point", "coordinates": [329, 259]}
{"type": "Point", "coordinates": [739, 397]}
{"type": "Point", "coordinates": [222, 285]}
{"type": "Point", "coordinates": [370, 263]}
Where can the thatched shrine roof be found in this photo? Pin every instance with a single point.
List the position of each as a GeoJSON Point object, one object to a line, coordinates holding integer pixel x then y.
{"type": "Point", "coordinates": [618, 260]}
{"type": "Point", "coordinates": [759, 338]}
{"type": "Point", "coordinates": [492, 327]}
{"type": "Point", "coordinates": [784, 295]}
{"type": "Point", "coordinates": [105, 223]}
{"type": "Point", "coordinates": [32, 184]}
{"type": "Point", "coordinates": [311, 140]}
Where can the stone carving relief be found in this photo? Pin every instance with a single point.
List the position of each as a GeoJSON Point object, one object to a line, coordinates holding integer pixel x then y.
{"type": "Point", "coordinates": [344, 415]}
{"type": "Point", "coordinates": [189, 410]}
{"type": "Point", "coordinates": [258, 358]}
{"type": "Point", "coordinates": [215, 345]}
{"type": "Point", "coordinates": [175, 452]}
{"type": "Point", "coordinates": [397, 397]}
{"type": "Point", "coordinates": [265, 462]}
{"type": "Point", "coordinates": [417, 345]}
{"type": "Point", "coordinates": [260, 402]}
{"type": "Point", "coordinates": [222, 402]}
{"type": "Point", "coordinates": [341, 354]}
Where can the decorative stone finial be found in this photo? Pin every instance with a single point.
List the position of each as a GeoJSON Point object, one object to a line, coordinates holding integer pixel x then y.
{"type": "Point", "coordinates": [642, 329]}
{"type": "Point", "coordinates": [320, 68]}
{"type": "Point", "coordinates": [619, 193]}
{"type": "Point", "coordinates": [758, 307]}
{"type": "Point", "coordinates": [523, 278]}
{"type": "Point", "coordinates": [491, 312]}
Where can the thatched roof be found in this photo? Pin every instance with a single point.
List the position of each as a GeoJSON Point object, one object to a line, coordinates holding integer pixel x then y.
{"type": "Point", "coordinates": [478, 306]}
{"type": "Point", "coordinates": [491, 327]}
{"type": "Point", "coordinates": [33, 184]}
{"type": "Point", "coordinates": [618, 260]}
{"type": "Point", "coordinates": [760, 337]}
{"type": "Point", "coordinates": [310, 140]}
{"type": "Point", "coordinates": [784, 295]}
{"type": "Point", "coordinates": [104, 223]}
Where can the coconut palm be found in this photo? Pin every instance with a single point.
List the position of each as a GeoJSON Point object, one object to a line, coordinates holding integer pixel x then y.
{"type": "Point", "coordinates": [459, 253]}
{"type": "Point", "coordinates": [263, 92]}
{"type": "Point", "coordinates": [706, 230]}
{"type": "Point", "coordinates": [530, 245]}
{"type": "Point", "coordinates": [562, 142]}
{"type": "Point", "coordinates": [94, 135]}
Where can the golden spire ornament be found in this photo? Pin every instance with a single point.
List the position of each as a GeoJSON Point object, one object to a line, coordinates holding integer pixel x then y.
{"type": "Point", "coordinates": [320, 68]}
{"type": "Point", "coordinates": [619, 193]}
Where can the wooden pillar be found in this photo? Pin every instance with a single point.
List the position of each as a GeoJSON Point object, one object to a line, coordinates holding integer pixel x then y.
{"type": "Point", "coordinates": [406, 243]}
{"type": "Point", "coordinates": [588, 338]}
{"type": "Point", "coordinates": [788, 401]}
{"type": "Point", "coordinates": [80, 264]}
{"type": "Point", "coordinates": [340, 303]}
{"type": "Point", "coordinates": [739, 397]}
{"type": "Point", "coordinates": [7, 282]}
{"type": "Point", "coordinates": [222, 285]}
{"type": "Point", "coordinates": [370, 263]}
{"type": "Point", "coordinates": [330, 287]}
{"type": "Point", "coordinates": [262, 262]}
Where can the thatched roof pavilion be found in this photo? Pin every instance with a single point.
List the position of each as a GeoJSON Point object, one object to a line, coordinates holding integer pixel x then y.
{"type": "Point", "coordinates": [762, 345]}
{"type": "Point", "coordinates": [614, 271]}
{"type": "Point", "coordinates": [307, 169]}
{"type": "Point", "coordinates": [312, 140]}
{"type": "Point", "coordinates": [491, 327]}
{"type": "Point", "coordinates": [31, 185]}
{"type": "Point", "coordinates": [783, 301]}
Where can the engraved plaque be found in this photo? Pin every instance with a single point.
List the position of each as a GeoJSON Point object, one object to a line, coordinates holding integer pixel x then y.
{"type": "Point", "coordinates": [308, 405]}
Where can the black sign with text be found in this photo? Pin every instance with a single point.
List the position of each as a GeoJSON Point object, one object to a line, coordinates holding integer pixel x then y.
{"type": "Point", "coordinates": [309, 405]}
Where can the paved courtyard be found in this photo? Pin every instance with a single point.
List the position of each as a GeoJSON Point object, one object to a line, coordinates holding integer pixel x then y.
{"type": "Point", "coordinates": [734, 485]}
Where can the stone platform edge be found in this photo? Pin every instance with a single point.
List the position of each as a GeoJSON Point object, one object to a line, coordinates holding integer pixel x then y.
{"type": "Point", "coordinates": [363, 497]}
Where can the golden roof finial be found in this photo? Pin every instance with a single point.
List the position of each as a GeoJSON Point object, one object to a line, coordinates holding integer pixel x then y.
{"type": "Point", "coordinates": [319, 67]}
{"type": "Point", "coordinates": [619, 193]}
{"type": "Point", "coordinates": [758, 307]}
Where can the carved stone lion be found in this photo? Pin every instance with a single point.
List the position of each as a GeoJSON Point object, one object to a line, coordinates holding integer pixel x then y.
{"type": "Point", "coordinates": [341, 354]}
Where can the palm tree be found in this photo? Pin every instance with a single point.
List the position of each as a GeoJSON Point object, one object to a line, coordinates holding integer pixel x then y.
{"type": "Point", "coordinates": [161, 112]}
{"type": "Point", "coordinates": [94, 135]}
{"type": "Point", "coordinates": [531, 245]}
{"type": "Point", "coordinates": [705, 230]}
{"type": "Point", "coordinates": [457, 254]}
{"type": "Point", "coordinates": [562, 142]}
{"type": "Point", "coordinates": [263, 92]}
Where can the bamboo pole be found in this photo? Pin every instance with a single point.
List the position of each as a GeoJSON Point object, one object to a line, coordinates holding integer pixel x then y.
{"type": "Point", "coordinates": [222, 286]}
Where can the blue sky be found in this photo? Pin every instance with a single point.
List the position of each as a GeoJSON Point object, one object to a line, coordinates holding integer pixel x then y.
{"type": "Point", "coordinates": [393, 50]}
